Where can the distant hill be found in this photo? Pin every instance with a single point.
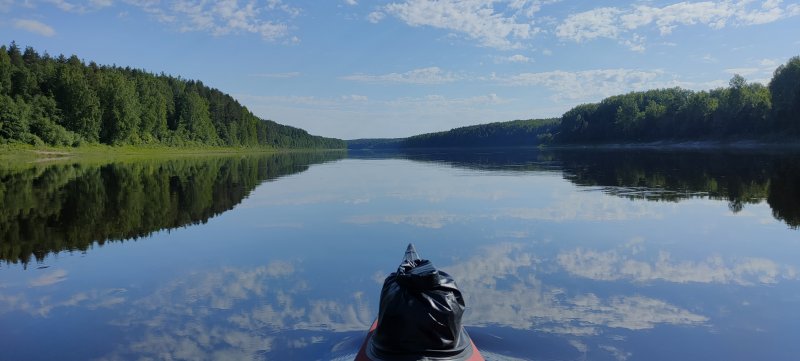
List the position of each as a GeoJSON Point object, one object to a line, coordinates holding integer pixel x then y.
{"type": "Point", "coordinates": [63, 101]}
{"type": "Point", "coordinates": [375, 143]}
{"type": "Point", "coordinates": [530, 132]}
{"type": "Point", "coordinates": [527, 132]}
{"type": "Point", "coordinates": [740, 111]}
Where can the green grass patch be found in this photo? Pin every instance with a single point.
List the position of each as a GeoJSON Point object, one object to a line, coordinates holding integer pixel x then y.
{"type": "Point", "coordinates": [28, 153]}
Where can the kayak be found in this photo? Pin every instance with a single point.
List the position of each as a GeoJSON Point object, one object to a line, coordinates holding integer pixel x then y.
{"type": "Point", "coordinates": [417, 288]}
{"type": "Point", "coordinates": [366, 353]}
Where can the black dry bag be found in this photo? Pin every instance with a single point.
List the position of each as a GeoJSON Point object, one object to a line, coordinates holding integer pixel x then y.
{"type": "Point", "coordinates": [420, 312]}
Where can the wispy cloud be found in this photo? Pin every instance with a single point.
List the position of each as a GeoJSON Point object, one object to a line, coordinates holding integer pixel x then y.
{"type": "Point", "coordinates": [587, 83]}
{"type": "Point", "coordinates": [599, 83]}
{"type": "Point", "coordinates": [756, 71]}
{"type": "Point", "coordinates": [82, 6]}
{"type": "Point", "coordinates": [34, 27]}
{"type": "Point", "coordinates": [268, 20]}
{"type": "Point", "coordinates": [375, 17]}
{"type": "Point", "coordinates": [293, 74]}
{"type": "Point", "coordinates": [355, 97]}
{"type": "Point", "coordinates": [622, 24]}
{"type": "Point", "coordinates": [480, 20]}
{"type": "Point", "coordinates": [431, 75]}
{"type": "Point", "coordinates": [517, 58]}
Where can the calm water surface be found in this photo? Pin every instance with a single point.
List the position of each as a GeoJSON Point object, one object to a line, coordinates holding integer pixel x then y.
{"type": "Point", "coordinates": [571, 255]}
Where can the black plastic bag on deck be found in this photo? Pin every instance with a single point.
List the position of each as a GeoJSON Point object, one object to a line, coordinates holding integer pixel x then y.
{"type": "Point", "coordinates": [420, 312]}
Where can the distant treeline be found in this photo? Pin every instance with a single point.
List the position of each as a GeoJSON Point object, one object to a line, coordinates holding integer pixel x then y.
{"type": "Point", "coordinates": [513, 133]}
{"type": "Point", "coordinates": [516, 133]}
{"type": "Point", "coordinates": [63, 101]}
{"type": "Point", "coordinates": [741, 111]}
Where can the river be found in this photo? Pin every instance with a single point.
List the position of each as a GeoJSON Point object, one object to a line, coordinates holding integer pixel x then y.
{"type": "Point", "coordinates": [561, 255]}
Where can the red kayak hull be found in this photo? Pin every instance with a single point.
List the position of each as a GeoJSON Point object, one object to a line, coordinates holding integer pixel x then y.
{"type": "Point", "coordinates": [362, 353]}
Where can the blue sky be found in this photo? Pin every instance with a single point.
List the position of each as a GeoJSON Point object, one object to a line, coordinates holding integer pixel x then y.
{"type": "Point", "coordinates": [358, 68]}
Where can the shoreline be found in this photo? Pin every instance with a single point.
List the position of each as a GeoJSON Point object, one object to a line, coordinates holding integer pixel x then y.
{"type": "Point", "coordinates": [27, 153]}
{"type": "Point", "coordinates": [656, 145]}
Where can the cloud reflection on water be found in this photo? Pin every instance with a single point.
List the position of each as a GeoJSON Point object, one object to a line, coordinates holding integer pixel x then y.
{"type": "Point", "coordinates": [266, 312]}
{"type": "Point", "coordinates": [237, 314]}
{"type": "Point", "coordinates": [42, 306]}
{"type": "Point", "coordinates": [50, 278]}
{"type": "Point", "coordinates": [502, 289]}
{"type": "Point", "coordinates": [614, 265]}
{"type": "Point", "coordinates": [577, 207]}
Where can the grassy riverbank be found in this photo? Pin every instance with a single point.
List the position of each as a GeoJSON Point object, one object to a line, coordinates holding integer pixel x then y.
{"type": "Point", "coordinates": [29, 153]}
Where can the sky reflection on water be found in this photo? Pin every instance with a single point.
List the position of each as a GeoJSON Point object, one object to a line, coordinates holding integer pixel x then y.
{"type": "Point", "coordinates": [551, 270]}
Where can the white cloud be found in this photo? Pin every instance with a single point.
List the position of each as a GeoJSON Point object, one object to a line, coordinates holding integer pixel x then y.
{"type": "Point", "coordinates": [431, 75]}
{"type": "Point", "coordinates": [433, 101]}
{"type": "Point", "coordinates": [375, 17]}
{"type": "Point", "coordinates": [588, 83]}
{"type": "Point", "coordinates": [446, 104]}
{"type": "Point", "coordinates": [34, 27]}
{"type": "Point", "coordinates": [225, 17]}
{"type": "Point", "coordinates": [351, 2]}
{"type": "Point", "coordinates": [518, 58]}
{"type": "Point", "coordinates": [759, 71]}
{"type": "Point", "coordinates": [529, 7]}
{"type": "Point", "coordinates": [81, 6]}
{"type": "Point", "coordinates": [601, 22]}
{"type": "Point", "coordinates": [477, 19]}
{"type": "Point", "coordinates": [742, 71]}
{"type": "Point", "coordinates": [355, 98]}
{"type": "Point", "coordinates": [621, 24]}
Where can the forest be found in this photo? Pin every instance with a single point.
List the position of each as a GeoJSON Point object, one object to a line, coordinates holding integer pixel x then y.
{"type": "Point", "coordinates": [740, 111]}
{"type": "Point", "coordinates": [60, 101]}
{"type": "Point", "coordinates": [509, 134]}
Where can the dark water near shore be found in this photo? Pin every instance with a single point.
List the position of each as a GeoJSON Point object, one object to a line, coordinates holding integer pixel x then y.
{"type": "Point", "coordinates": [562, 255]}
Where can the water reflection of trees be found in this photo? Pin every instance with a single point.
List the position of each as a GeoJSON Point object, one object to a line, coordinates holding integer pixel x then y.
{"type": "Point", "coordinates": [70, 206]}
{"type": "Point", "coordinates": [740, 178]}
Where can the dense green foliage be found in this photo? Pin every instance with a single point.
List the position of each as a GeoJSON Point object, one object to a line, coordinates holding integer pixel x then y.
{"type": "Point", "coordinates": [375, 143]}
{"type": "Point", "coordinates": [69, 207]}
{"type": "Point", "coordinates": [65, 102]}
{"type": "Point", "coordinates": [740, 111]}
{"type": "Point", "coordinates": [514, 133]}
